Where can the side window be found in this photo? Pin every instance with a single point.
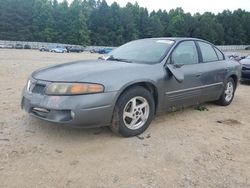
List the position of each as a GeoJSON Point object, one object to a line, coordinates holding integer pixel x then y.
{"type": "Point", "coordinates": [220, 55]}
{"type": "Point", "coordinates": [185, 53]}
{"type": "Point", "coordinates": [207, 51]}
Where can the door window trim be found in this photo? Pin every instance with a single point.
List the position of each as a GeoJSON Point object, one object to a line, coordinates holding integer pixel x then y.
{"type": "Point", "coordinates": [202, 61]}
{"type": "Point", "coordinates": [187, 40]}
{"type": "Point", "coordinates": [223, 56]}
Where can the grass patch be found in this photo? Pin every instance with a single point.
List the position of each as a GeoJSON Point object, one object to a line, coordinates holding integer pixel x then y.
{"type": "Point", "coordinates": [201, 107]}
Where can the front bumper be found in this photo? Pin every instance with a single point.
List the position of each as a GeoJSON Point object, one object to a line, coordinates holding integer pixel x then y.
{"type": "Point", "coordinates": [94, 110]}
{"type": "Point", "coordinates": [245, 75]}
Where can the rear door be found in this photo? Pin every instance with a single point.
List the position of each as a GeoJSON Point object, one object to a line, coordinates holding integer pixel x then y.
{"type": "Point", "coordinates": [214, 70]}
{"type": "Point", "coordinates": [185, 60]}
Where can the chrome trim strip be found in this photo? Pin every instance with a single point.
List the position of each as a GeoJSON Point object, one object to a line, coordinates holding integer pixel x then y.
{"type": "Point", "coordinates": [193, 88]}
{"type": "Point", "coordinates": [96, 108]}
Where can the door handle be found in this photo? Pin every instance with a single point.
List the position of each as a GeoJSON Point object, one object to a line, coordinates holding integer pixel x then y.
{"type": "Point", "coordinates": [198, 74]}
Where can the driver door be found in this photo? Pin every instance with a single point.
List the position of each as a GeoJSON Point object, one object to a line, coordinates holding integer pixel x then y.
{"type": "Point", "coordinates": [184, 61]}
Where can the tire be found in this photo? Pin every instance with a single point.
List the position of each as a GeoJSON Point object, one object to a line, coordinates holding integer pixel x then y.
{"type": "Point", "coordinates": [228, 93]}
{"type": "Point", "coordinates": [133, 112]}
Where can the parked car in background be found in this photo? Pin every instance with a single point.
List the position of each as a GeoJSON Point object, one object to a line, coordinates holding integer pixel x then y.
{"type": "Point", "coordinates": [94, 50]}
{"type": "Point", "coordinates": [234, 56]}
{"type": "Point", "coordinates": [19, 46]}
{"type": "Point", "coordinates": [247, 48]}
{"type": "Point", "coordinates": [10, 46]}
{"type": "Point", "coordinates": [59, 49]}
{"type": "Point", "coordinates": [131, 84]}
{"type": "Point", "coordinates": [3, 46]}
{"type": "Point", "coordinates": [45, 49]}
{"type": "Point", "coordinates": [27, 46]}
{"type": "Point", "coordinates": [105, 50]}
{"type": "Point", "coordinates": [245, 73]}
{"type": "Point", "coordinates": [77, 49]}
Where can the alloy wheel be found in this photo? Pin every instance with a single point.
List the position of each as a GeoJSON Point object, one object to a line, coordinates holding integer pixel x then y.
{"type": "Point", "coordinates": [136, 113]}
{"type": "Point", "coordinates": [229, 91]}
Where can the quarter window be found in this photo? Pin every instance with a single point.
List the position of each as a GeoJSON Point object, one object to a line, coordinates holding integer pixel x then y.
{"type": "Point", "coordinates": [185, 53]}
{"type": "Point", "coordinates": [207, 51]}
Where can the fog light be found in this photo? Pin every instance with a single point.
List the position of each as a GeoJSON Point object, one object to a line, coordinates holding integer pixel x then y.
{"type": "Point", "coordinates": [72, 114]}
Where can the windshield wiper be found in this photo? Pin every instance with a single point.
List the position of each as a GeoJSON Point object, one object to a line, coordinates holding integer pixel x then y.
{"type": "Point", "coordinates": [112, 58]}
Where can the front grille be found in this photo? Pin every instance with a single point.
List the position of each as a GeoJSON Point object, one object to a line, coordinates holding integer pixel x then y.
{"type": "Point", "coordinates": [39, 89]}
{"type": "Point", "coordinates": [245, 68]}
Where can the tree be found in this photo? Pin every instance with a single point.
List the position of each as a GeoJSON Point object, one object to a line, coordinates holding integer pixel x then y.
{"type": "Point", "coordinates": [97, 23]}
{"type": "Point", "coordinates": [79, 33]}
{"type": "Point", "coordinates": [15, 19]}
{"type": "Point", "coordinates": [42, 21]}
{"type": "Point", "coordinates": [61, 25]}
{"type": "Point", "coordinates": [154, 26]}
{"type": "Point", "coordinates": [207, 27]}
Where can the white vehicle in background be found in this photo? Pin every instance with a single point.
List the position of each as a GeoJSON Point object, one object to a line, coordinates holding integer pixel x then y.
{"type": "Point", "coordinates": [3, 46]}
{"type": "Point", "coordinates": [59, 50]}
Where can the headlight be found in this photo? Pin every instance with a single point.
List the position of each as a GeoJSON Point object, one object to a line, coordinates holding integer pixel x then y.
{"type": "Point", "coordinates": [73, 88]}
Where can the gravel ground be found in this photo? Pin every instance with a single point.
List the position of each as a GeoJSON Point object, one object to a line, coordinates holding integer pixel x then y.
{"type": "Point", "coordinates": [188, 148]}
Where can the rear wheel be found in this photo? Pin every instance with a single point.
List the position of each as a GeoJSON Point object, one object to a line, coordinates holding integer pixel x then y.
{"type": "Point", "coordinates": [133, 112]}
{"type": "Point", "coordinates": [228, 93]}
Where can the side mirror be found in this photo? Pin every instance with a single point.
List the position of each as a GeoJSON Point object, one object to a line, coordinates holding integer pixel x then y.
{"type": "Point", "coordinates": [171, 62]}
{"type": "Point", "coordinates": [176, 72]}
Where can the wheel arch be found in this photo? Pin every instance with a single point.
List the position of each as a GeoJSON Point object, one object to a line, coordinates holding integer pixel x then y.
{"type": "Point", "coordinates": [150, 86]}
{"type": "Point", "coordinates": [235, 78]}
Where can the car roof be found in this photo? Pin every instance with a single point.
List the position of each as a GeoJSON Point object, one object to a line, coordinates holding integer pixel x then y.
{"type": "Point", "coordinates": [177, 39]}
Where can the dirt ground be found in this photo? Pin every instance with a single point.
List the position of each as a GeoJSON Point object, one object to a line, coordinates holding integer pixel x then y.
{"type": "Point", "coordinates": [189, 148]}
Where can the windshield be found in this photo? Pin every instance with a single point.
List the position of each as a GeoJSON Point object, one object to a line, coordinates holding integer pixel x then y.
{"type": "Point", "coordinates": [147, 51]}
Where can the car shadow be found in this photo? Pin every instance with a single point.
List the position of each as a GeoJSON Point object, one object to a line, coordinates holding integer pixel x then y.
{"type": "Point", "coordinates": [245, 83]}
{"type": "Point", "coordinates": [45, 129]}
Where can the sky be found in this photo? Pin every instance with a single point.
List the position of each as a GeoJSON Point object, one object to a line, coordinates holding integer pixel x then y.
{"type": "Point", "coordinates": [191, 6]}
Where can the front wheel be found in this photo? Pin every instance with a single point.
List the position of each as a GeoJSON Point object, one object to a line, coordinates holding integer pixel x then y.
{"type": "Point", "coordinates": [133, 112]}
{"type": "Point", "coordinates": [228, 93]}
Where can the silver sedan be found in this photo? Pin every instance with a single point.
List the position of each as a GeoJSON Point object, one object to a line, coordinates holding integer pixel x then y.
{"type": "Point", "coordinates": [128, 86]}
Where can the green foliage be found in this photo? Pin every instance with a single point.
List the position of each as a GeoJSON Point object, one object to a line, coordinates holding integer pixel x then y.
{"type": "Point", "coordinates": [201, 107]}
{"type": "Point", "coordinates": [94, 22]}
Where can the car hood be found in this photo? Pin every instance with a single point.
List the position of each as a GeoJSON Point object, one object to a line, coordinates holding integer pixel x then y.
{"type": "Point", "coordinates": [245, 61]}
{"type": "Point", "coordinates": [81, 70]}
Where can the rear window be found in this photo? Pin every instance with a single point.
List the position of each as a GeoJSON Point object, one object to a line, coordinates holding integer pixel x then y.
{"type": "Point", "coordinates": [220, 55]}
{"type": "Point", "coordinates": [208, 52]}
